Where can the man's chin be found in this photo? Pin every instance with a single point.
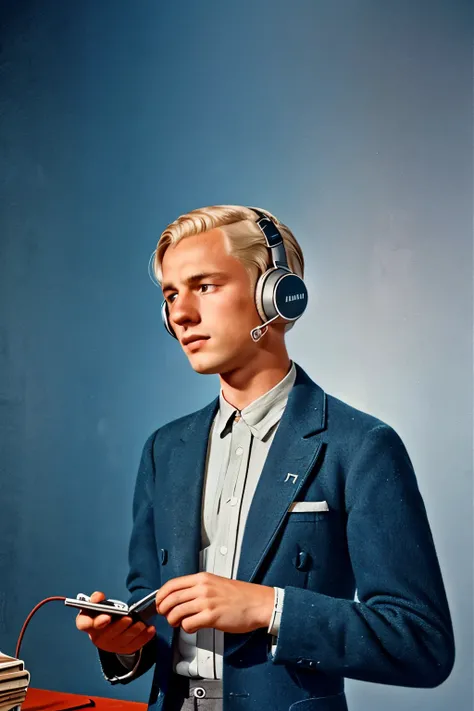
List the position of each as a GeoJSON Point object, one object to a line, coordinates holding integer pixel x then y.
{"type": "Point", "coordinates": [212, 364]}
{"type": "Point", "coordinates": [205, 366]}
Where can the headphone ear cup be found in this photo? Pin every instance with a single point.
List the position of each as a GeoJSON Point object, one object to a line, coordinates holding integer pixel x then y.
{"type": "Point", "coordinates": [289, 296]}
{"type": "Point", "coordinates": [165, 319]}
{"type": "Point", "coordinates": [259, 294]}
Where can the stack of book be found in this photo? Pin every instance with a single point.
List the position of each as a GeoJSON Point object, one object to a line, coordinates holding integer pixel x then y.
{"type": "Point", "coordinates": [14, 680]}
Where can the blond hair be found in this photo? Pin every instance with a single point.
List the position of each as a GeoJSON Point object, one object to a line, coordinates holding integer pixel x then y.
{"type": "Point", "coordinates": [244, 239]}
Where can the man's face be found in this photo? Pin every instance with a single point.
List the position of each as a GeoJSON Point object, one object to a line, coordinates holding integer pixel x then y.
{"type": "Point", "coordinates": [209, 294]}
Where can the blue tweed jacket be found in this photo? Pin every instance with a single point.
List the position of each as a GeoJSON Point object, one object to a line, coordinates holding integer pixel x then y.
{"type": "Point", "coordinates": [375, 539]}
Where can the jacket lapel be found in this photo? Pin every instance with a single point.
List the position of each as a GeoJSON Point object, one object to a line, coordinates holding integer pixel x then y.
{"type": "Point", "coordinates": [294, 451]}
{"type": "Point", "coordinates": [183, 498]}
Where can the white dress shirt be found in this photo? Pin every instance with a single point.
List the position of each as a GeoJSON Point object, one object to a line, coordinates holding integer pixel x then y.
{"type": "Point", "coordinates": [238, 446]}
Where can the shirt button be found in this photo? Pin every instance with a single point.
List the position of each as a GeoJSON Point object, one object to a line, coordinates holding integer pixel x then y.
{"type": "Point", "coordinates": [234, 500]}
{"type": "Point", "coordinates": [223, 550]}
{"type": "Point", "coordinates": [239, 451]}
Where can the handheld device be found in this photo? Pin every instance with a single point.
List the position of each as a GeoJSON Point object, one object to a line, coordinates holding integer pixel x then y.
{"type": "Point", "coordinates": [141, 610]}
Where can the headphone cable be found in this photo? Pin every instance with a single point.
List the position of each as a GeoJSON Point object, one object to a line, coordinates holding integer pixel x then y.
{"type": "Point", "coordinates": [25, 624]}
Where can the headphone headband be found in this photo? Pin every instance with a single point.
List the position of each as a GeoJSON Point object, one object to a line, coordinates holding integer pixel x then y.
{"type": "Point", "coordinates": [273, 238]}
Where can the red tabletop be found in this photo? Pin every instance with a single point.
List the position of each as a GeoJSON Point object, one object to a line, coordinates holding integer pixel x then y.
{"type": "Point", "coordinates": [42, 700]}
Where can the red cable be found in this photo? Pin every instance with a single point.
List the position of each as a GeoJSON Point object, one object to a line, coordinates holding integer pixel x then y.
{"type": "Point", "coordinates": [40, 604]}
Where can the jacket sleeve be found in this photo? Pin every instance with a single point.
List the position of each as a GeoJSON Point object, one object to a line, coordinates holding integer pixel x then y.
{"type": "Point", "coordinates": [399, 631]}
{"type": "Point", "coordinates": [144, 573]}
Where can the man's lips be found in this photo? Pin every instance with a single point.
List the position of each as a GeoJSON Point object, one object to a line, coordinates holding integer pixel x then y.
{"type": "Point", "coordinates": [187, 340]}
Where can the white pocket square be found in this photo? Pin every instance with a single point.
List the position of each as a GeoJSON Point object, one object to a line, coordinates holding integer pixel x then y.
{"type": "Point", "coordinates": [305, 506]}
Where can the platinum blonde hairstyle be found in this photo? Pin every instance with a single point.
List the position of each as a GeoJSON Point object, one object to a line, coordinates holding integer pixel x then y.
{"type": "Point", "coordinates": [244, 239]}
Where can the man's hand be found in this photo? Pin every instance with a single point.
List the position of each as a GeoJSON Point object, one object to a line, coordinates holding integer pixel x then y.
{"type": "Point", "coordinates": [208, 600]}
{"type": "Point", "coordinates": [121, 636]}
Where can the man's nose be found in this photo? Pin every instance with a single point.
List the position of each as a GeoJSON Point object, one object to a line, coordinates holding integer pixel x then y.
{"type": "Point", "coordinates": [184, 310]}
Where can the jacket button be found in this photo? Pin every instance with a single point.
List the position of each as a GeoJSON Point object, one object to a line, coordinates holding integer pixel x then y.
{"type": "Point", "coordinates": [302, 560]}
{"type": "Point", "coordinates": [163, 556]}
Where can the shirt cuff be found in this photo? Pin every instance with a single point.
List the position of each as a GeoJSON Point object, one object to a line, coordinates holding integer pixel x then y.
{"type": "Point", "coordinates": [274, 626]}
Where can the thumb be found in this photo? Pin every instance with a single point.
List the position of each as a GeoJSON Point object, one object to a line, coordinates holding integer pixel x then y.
{"type": "Point", "coordinates": [97, 596]}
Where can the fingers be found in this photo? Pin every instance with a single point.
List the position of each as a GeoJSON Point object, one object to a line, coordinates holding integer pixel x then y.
{"type": "Point", "coordinates": [87, 623]}
{"type": "Point", "coordinates": [83, 622]}
{"type": "Point", "coordinates": [122, 635]}
{"type": "Point", "coordinates": [176, 598]}
{"type": "Point", "coordinates": [100, 621]}
{"type": "Point", "coordinates": [97, 596]}
{"type": "Point", "coordinates": [132, 637]}
{"type": "Point", "coordinates": [184, 581]}
{"type": "Point", "coordinates": [127, 641]}
{"type": "Point", "coordinates": [178, 613]}
{"type": "Point", "coordinates": [196, 622]}
{"type": "Point", "coordinates": [124, 627]}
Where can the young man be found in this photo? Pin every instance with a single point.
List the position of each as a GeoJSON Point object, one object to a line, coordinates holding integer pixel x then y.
{"type": "Point", "coordinates": [258, 518]}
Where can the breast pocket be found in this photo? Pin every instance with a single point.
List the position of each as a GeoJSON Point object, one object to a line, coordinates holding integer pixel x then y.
{"type": "Point", "coordinates": [301, 511]}
{"type": "Point", "coordinates": [304, 516]}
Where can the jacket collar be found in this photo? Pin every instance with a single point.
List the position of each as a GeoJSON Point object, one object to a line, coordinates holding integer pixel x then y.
{"type": "Point", "coordinates": [305, 410]}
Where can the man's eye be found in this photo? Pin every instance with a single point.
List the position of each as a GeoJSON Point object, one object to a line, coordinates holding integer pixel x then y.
{"type": "Point", "coordinates": [206, 287]}
{"type": "Point", "coordinates": [170, 298]}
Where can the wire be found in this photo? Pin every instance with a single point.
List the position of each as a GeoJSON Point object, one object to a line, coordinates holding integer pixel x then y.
{"type": "Point", "coordinates": [25, 624]}
{"type": "Point", "coordinates": [151, 271]}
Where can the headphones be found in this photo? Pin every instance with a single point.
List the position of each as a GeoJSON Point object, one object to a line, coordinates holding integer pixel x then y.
{"type": "Point", "coordinates": [279, 292]}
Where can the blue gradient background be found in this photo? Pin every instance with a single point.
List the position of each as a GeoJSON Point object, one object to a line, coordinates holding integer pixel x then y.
{"type": "Point", "coordinates": [351, 121]}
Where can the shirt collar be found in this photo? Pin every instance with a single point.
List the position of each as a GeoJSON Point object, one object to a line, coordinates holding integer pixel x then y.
{"type": "Point", "coordinates": [261, 414]}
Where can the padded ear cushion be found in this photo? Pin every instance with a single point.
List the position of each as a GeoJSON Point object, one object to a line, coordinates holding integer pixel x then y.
{"type": "Point", "coordinates": [164, 317]}
{"type": "Point", "coordinates": [258, 294]}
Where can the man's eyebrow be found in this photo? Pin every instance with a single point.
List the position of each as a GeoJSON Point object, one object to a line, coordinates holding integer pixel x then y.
{"type": "Point", "coordinates": [194, 279]}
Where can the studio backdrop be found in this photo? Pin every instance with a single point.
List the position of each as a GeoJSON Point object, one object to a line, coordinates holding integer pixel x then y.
{"type": "Point", "coordinates": [351, 121]}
